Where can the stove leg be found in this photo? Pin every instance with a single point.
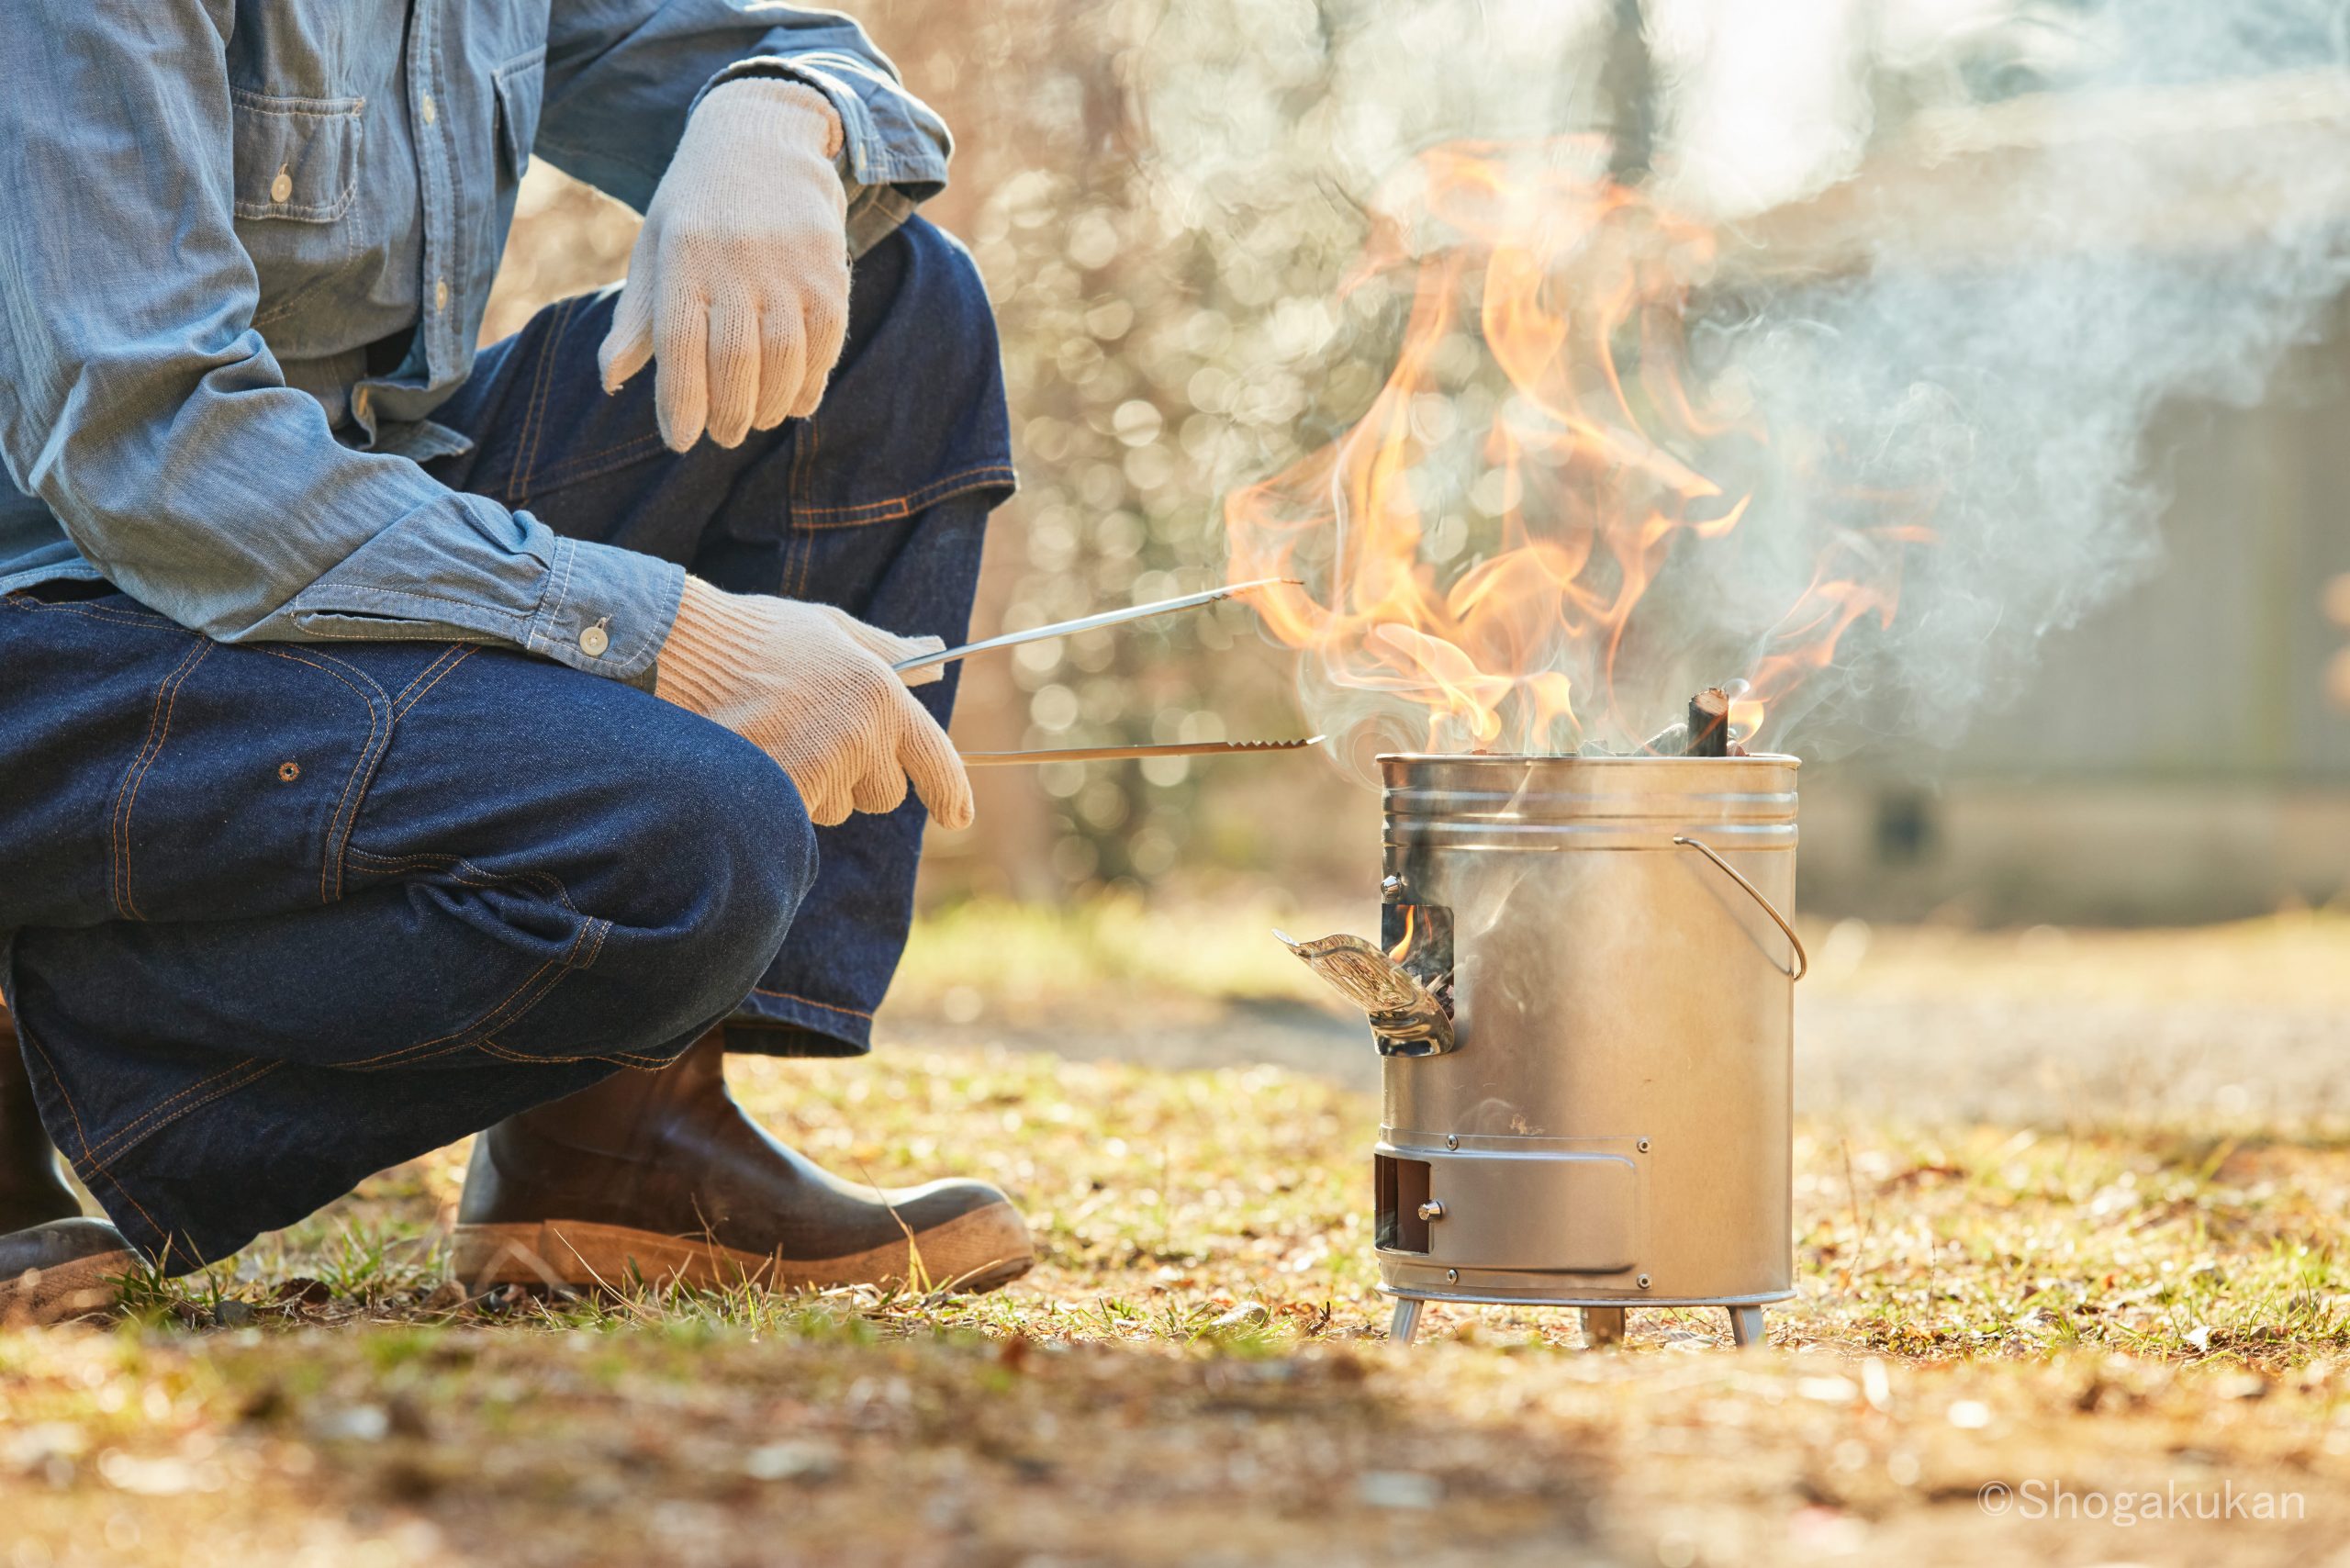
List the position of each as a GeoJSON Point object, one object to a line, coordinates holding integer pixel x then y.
{"type": "Point", "coordinates": [1603, 1326]}
{"type": "Point", "coordinates": [1746, 1330]}
{"type": "Point", "coordinates": [1406, 1325]}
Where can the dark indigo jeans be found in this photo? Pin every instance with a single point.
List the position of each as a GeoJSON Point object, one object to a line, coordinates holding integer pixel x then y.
{"type": "Point", "coordinates": [275, 916]}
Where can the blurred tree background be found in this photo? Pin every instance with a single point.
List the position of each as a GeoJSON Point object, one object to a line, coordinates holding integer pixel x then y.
{"type": "Point", "coordinates": [1164, 196]}
{"type": "Point", "coordinates": [1167, 198]}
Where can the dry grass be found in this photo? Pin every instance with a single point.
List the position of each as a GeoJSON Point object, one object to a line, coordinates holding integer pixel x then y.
{"type": "Point", "coordinates": [1197, 1374]}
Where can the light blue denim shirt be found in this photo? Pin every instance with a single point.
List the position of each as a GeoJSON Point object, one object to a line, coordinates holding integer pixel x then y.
{"type": "Point", "coordinates": [210, 208]}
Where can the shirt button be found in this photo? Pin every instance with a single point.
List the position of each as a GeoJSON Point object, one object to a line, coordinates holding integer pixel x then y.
{"type": "Point", "coordinates": [432, 111]}
{"type": "Point", "coordinates": [593, 641]}
{"type": "Point", "coordinates": [282, 186]}
{"type": "Point", "coordinates": [439, 294]}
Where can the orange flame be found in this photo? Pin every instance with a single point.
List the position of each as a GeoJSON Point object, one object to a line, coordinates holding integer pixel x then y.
{"type": "Point", "coordinates": [1582, 483]}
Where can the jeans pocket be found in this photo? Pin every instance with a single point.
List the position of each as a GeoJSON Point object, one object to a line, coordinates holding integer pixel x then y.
{"type": "Point", "coordinates": [149, 773]}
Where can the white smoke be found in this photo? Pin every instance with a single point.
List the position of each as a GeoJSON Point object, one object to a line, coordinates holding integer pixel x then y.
{"type": "Point", "coordinates": [1969, 248]}
{"type": "Point", "coordinates": [2018, 293]}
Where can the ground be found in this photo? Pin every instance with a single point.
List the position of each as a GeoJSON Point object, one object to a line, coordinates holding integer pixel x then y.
{"type": "Point", "coordinates": [2067, 1216]}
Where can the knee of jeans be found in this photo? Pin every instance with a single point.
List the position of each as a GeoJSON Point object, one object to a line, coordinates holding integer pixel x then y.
{"type": "Point", "coordinates": [957, 274]}
{"type": "Point", "coordinates": [729, 855]}
{"type": "Point", "coordinates": [958, 279]}
{"type": "Point", "coordinates": [942, 286]}
{"type": "Point", "coordinates": [753, 848]}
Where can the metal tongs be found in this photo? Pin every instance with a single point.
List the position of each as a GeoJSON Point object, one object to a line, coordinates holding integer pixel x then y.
{"type": "Point", "coordinates": [1084, 624]}
{"type": "Point", "coordinates": [1112, 752]}
{"type": "Point", "coordinates": [1088, 623]}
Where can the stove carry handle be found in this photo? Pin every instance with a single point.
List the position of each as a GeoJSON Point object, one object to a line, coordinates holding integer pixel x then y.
{"type": "Point", "coordinates": [1803, 960]}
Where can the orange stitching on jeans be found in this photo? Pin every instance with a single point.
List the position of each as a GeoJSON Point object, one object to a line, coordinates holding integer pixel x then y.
{"type": "Point", "coordinates": [898, 507]}
{"type": "Point", "coordinates": [544, 882]}
{"type": "Point", "coordinates": [803, 464]}
{"type": "Point", "coordinates": [518, 488]}
{"type": "Point", "coordinates": [399, 702]}
{"type": "Point", "coordinates": [800, 549]}
{"type": "Point", "coordinates": [802, 544]}
{"type": "Point", "coordinates": [509, 1010]}
{"type": "Point", "coordinates": [112, 1144]}
{"type": "Point", "coordinates": [114, 820]}
{"type": "Point", "coordinates": [508, 1054]}
{"type": "Point", "coordinates": [116, 845]}
{"type": "Point", "coordinates": [362, 765]}
{"type": "Point", "coordinates": [596, 465]}
{"type": "Point", "coordinates": [513, 1011]}
{"type": "Point", "coordinates": [25, 1033]}
{"type": "Point", "coordinates": [330, 866]}
{"type": "Point", "coordinates": [131, 1198]}
{"type": "Point", "coordinates": [178, 685]}
{"type": "Point", "coordinates": [167, 696]}
{"type": "Point", "coordinates": [812, 1002]}
{"type": "Point", "coordinates": [636, 1059]}
{"type": "Point", "coordinates": [437, 661]}
{"type": "Point", "coordinates": [400, 710]}
{"type": "Point", "coordinates": [482, 1025]}
{"type": "Point", "coordinates": [115, 1148]}
{"type": "Point", "coordinates": [233, 1068]}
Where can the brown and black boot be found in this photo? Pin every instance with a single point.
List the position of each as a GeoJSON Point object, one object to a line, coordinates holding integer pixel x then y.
{"type": "Point", "coordinates": [661, 1176]}
{"type": "Point", "coordinates": [32, 1191]}
{"type": "Point", "coordinates": [53, 1264]}
{"type": "Point", "coordinates": [67, 1268]}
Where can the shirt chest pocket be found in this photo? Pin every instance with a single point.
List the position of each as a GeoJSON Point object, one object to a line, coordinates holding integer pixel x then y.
{"type": "Point", "coordinates": [297, 176]}
{"type": "Point", "coordinates": [520, 83]}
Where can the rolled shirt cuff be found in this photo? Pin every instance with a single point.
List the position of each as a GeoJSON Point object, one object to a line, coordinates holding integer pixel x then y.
{"type": "Point", "coordinates": [606, 610]}
{"type": "Point", "coordinates": [508, 578]}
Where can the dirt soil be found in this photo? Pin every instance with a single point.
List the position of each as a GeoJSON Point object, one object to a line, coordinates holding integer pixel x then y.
{"type": "Point", "coordinates": [2122, 1301]}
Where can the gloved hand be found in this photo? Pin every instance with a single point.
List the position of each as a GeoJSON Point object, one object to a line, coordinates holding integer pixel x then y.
{"type": "Point", "coordinates": [812, 687]}
{"type": "Point", "coordinates": [738, 284]}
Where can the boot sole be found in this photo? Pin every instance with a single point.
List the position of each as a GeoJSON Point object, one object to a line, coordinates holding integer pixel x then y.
{"type": "Point", "coordinates": [84, 1287]}
{"type": "Point", "coordinates": [975, 1252]}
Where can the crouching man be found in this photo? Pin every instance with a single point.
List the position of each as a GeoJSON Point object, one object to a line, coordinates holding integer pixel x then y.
{"type": "Point", "coordinates": [398, 740]}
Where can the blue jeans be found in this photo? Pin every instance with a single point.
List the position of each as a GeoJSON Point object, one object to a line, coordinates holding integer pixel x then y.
{"type": "Point", "coordinates": [273, 917]}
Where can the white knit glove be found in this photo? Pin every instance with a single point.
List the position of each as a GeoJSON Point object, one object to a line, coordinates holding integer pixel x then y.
{"type": "Point", "coordinates": [739, 281]}
{"type": "Point", "coordinates": [812, 687]}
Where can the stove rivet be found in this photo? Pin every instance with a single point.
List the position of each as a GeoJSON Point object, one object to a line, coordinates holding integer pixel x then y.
{"type": "Point", "coordinates": [1452, 1275]}
{"type": "Point", "coordinates": [1644, 1146]}
{"type": "Point", "coordinates": [1642, 1281]}
{"type": "Point", "coordinates": [1452, 1140]}
{"type": "Point", "coordinates": [1391, 884]}
{"type": "Point", "coordinates": [1432, 1210]}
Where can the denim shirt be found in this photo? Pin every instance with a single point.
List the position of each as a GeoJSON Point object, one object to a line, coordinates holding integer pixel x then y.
{"type": "Point", "coordinates": [210, 210]}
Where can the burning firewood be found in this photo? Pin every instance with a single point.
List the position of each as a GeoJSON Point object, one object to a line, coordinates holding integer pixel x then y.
{"type": "Point", "coordinates": [1708, 724]}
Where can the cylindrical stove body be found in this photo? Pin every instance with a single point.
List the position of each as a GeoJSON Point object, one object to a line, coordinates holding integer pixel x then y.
{"type": "Point", "coordinates": [1611, 1127]}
